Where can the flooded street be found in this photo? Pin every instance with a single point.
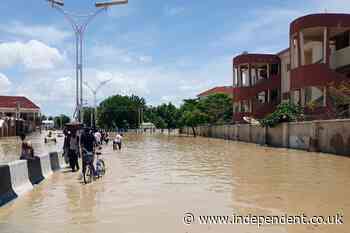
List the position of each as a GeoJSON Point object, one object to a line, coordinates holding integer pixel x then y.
{"type": "Point", "coordinates": [155, 180]}
{"type": "Point", "coordinates": [10, 147]}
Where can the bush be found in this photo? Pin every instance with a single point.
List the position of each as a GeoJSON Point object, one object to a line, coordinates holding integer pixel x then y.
{"type": "Point", "coordinates": [285, 112]}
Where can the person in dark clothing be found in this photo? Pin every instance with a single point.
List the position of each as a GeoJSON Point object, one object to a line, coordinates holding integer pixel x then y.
{"type": "Point", "coordinates": [87, 144]}
{"type": "Point", "coordinates": [27, 149]}
{"type": "Point", "coordinates": [73, 152]}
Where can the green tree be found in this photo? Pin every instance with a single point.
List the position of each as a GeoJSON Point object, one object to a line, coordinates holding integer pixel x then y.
{"type": "Point", "coordinates": [193, 119]}
{"type": "Point", "coordinates": [217, 107]}
{"type": "Point", "coordinates": [120, 111]}
{"type": "Point", "coordinates": [61, 120]}
{"type": "Point", "coordinates": [285, 112]}
{"type": "Point", "coordinates": [88, 113]}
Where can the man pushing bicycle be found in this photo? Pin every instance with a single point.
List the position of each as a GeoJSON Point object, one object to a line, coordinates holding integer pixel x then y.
{"type": "Point", "coordinates": [87, 145]}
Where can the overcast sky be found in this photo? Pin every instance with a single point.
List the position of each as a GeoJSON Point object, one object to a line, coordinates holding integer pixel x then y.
{"type": "Point", "coordinates": [161, 50]}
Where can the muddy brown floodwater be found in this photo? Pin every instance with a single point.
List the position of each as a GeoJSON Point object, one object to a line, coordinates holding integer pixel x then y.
{"type": "Point", "coordinates": [155, 180]}
{"type": "Point", "coordinates": [10, 147]}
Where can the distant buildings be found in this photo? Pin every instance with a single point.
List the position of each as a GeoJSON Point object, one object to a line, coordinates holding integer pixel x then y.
{"type": "Point", "coordinates": [19, 113]}
{"type": "Point", "coordinates": [313, 72]}
{"type": "Point", "coordinates": [217, 90]}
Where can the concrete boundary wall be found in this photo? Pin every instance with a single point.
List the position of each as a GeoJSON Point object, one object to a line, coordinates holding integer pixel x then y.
{"type": "Point", "coordinates": [45, 164]}
{"type": "Point", "coordinates": [329, 136]}
{"type": "Point", "coordinates": [55, 162]}
{"type": "Point", "coordinates": [34, 170]}
{"type": "Point", "coordinates": [18, 177]}
{"type": "Point", "coordinates": [6, 191]}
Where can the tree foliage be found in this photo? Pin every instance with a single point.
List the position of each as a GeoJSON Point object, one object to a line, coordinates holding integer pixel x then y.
{"type": "Point", "coordinates": [120, 111]}
{"type": "Point", "coordinates": [61, 120]}
{"type": "Point", "coordinates": [285, 112]}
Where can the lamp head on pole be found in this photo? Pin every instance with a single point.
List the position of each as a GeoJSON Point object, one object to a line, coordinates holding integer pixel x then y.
{"type": "Point", "coordinates": [110, 3]}
{"type": "Point", "coordinates": [56, 2]}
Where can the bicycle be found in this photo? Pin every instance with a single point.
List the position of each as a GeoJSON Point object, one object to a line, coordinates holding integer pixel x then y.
{"type": "Point", "coordinates": [91, 173]}
{"type": "Point", "coordinates": [100, 166]}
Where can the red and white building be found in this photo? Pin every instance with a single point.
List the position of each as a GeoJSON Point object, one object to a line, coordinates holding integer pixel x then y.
{"type": "Point", "coordinates": [313, 72]}
{"type": "Point", "coordinates": [20, 108]}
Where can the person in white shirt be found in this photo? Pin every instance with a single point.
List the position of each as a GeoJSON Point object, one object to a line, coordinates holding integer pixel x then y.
{"type": "Point", "coordinates": [118, 141]}
{"type": "Point", "coordinates": [98, 137]}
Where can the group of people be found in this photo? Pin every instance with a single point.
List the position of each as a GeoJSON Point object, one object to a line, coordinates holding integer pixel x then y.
{"type": "Point", "coordinates": [101, 137]}
{"type": "Point", "coordinates": [78, 145]}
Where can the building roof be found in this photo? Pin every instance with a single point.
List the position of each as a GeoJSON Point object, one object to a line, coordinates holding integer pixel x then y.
{"type": "Point", "coordinates": [12, 101]}
{"type": "Point", "coordinates": [217, 90]}
{"type": "Point", "coordinates": [251, 58]}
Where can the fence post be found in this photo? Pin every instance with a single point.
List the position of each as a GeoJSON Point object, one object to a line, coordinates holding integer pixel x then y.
{"type": "Point", "coordinates": [285, 135]}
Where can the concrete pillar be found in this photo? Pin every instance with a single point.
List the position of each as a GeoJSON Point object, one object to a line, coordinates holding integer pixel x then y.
{"type": "Point", "coordinates": [285, 135]}
{"type": "Point", "coordinates": [302, 52]}
{"type": "Point", "coordinates": [250, 133]}
{"type": "Point", "coordinates": [268, 95]}
{"type": "Point", "coordinates": [291, 54]}
{"type": "Point", "coordinates": [314, 137]}
{"type": "Point", "coordinates": [250, 75]}
{"type": "Point", "coordinates": [265, 141]}
{"type": "Point", "coordinates": [236, 136]}
{"type": "Point", "coordinates": [268, 71]}
{"type": "Point", "coordinates": [324, 96]}
{"type": "Point", "coordinates": [298, 51]}
{"type": "Point", "coordinates": [302, 97]}
{"type": "Point", "coordinates": [326, 50]}
{"type": "Point", "coordinates": [239, 76]}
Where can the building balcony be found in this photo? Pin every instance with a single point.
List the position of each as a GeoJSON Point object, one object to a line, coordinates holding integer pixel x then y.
{"type": "Point", "coordinates": [340, 58]}
{"type": "Point", "coordinates": [246, 93]}
{"type": "Point", "coordinates": [314, 75]}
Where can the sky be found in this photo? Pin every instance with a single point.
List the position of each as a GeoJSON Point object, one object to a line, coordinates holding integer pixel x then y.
{"type": "Point", "coordinates": [164, 51]}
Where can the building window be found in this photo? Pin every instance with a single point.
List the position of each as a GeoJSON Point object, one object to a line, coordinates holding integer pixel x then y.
{"type": "Point", "coordinates": [262, 73]}
{"type": "Point", "coordinates": [288, 67]}
{"type": "Point", "coordinates": [245, 77]}
{"type": "Point", "coordinates": [274, 96]}
{"type": "Point", "coordinates": [245, 106]}
{"type": "Point", "coordinates": [235, 77]}
{"type": "Point", "coordinates": [274, 69]}
{"type": "Point", "coordinates": [314, 97]}
{"type": "Point", "coordinates": [342, 41]}
{"type": "Point", "coordinates": [262, 97]}
{"type": "Point", "coordinates": [253, 75]}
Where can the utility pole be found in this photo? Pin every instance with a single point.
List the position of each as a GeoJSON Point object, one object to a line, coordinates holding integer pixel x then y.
{"type": "Point", "coordinates": [94, 92]}
{"type": "Point", "coordinates": [79, 29]}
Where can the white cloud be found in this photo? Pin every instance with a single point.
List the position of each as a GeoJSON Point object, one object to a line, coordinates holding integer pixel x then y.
{"type": "Point", "coordinates": [33, 55]}
{"type": "Point", "coordinates": [145, 59]}
{"type": "Point", "coordinates": [111, 53]}
{"type": "Point", "coordinates": [48, 34]}
{"type": "Point", "coordinates": [173, 11]}
{"type": "Point", "coordinates": [5, 84]}
{"type": "Point", "coordinates": [333, 6]}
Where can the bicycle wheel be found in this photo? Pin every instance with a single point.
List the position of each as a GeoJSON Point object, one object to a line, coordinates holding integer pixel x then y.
{"type": "Point", "coordinates": [88, 176]}
{"type": "Point", "coordinates": [102, 167]}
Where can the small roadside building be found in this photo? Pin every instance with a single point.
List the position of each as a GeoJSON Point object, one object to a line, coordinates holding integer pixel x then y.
{"type": "Point", "coordinates": [147, 126]}
{"type": "Point", "coordinates": [20, 109]}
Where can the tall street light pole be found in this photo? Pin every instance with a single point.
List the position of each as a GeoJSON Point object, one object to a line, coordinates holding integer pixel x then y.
{"type": "Point", "coordinates": [94, 92]}
{"type": "Point", "coordinates": [79, 29]}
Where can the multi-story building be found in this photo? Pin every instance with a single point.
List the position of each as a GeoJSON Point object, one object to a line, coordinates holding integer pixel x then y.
{"type": "Point", "coordinates": [313, 72]}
